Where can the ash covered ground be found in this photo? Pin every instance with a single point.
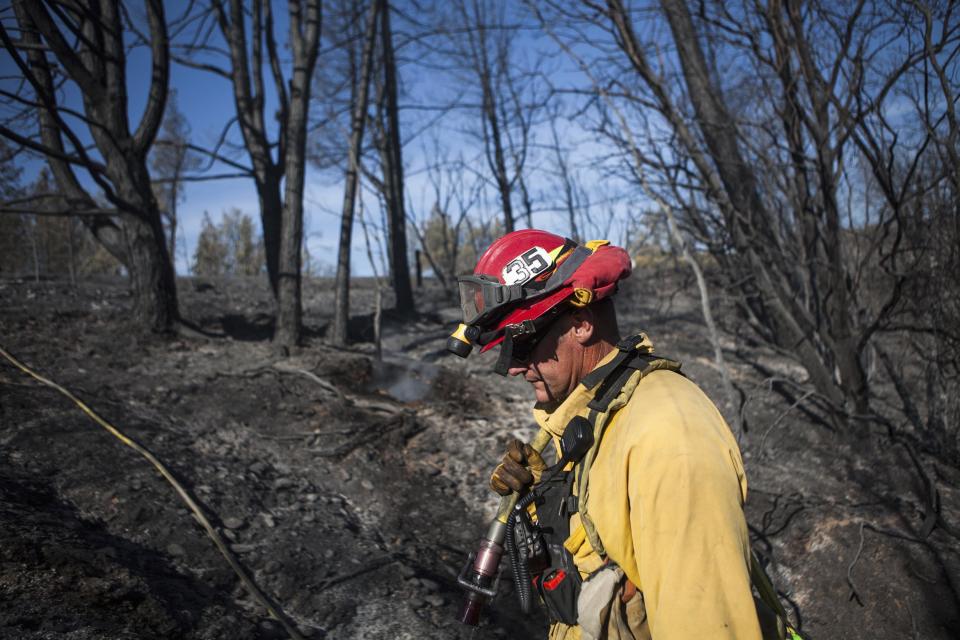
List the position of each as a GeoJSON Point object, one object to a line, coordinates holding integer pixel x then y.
{"type": "Point", "coordinates": [352, 489]}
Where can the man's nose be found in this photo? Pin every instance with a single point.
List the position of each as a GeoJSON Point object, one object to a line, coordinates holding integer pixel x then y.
{"type": "Point", "coordinates": [516, 369]}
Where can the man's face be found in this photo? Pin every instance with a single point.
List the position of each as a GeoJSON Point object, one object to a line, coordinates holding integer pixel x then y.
{"type": "Point", "coordinates": [553, 367]}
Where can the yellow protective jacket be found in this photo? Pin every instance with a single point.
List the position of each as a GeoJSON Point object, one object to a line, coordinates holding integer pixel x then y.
{"type": "Point", "coordinates": [665, 494]}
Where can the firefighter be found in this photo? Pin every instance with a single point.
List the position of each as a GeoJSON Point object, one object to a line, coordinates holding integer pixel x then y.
{"type": "Point", "coordinates": [652, 517]}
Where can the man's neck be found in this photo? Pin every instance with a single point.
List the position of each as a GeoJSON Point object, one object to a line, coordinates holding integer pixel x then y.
{"type": "Point", "coordinates": [593, 354]}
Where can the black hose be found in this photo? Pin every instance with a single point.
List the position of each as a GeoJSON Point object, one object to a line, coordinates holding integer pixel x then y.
{"type": "Point", "coordinates": [521, 573]}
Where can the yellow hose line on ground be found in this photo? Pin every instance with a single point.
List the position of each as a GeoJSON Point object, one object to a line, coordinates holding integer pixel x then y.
{"type": "Point", "coordinates": [274, 610]}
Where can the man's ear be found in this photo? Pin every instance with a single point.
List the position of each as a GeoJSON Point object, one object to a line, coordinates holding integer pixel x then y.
{"type": "Point", "coordinates": [582, 322]}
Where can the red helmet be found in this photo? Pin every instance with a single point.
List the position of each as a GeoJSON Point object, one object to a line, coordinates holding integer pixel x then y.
{"type": "Point", "coordinates": [521, 280]}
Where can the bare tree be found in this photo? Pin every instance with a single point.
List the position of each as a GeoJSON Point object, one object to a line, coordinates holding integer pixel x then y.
{"type": "Point", "coordinates": [507, 100]}
{"type": "Point", "coordinates": [391, 160]}
{"type": "Point", "coordinates": [442, 233]}
{"type": "Point", "coordinates": [341, 314]}
{"type": "Point", "coordinates": [131, 226]}
{"type": "Point", "coordinates": [752, 146]}
{"type": "Point", "coordinates": [279, 178]}
{"type": "Point", "coordinates": [305, 43]}
{"type": "Point", "coordinates": [568, 182]}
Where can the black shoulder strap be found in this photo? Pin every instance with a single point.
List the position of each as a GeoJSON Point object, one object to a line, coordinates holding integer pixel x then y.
{"type": "Point", "coordinates": [627, 348]}
{"type": "Point", "coordinates": [611, 378]}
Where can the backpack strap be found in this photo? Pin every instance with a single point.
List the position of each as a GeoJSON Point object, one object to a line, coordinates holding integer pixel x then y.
{"type": "Point", "coordinates": [614, 383]}
{"type": "Point", "coordinates": [628, 348]}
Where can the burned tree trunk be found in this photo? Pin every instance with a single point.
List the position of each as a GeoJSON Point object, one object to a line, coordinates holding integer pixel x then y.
{"type": "Point", "coordinates": [281, 215]}
{"type": "Point", "coordinates": [304, 40]}
{"type": "Point", "coordinates": [770, 254]}
{"type": "Point", "coordinates": [248, 94]}
{"type": "Point", "coordinates": [154, 288]}
{"type": "Point", "coordinates": [271, 212]}
{"type": "Point", "coordinates": [341, 312]}
{"type": "Point", "coordinates": [393, 171]}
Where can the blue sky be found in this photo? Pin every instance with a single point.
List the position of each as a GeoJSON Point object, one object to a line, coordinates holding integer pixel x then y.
{"type": "Point", "coordinates": [206, 100]}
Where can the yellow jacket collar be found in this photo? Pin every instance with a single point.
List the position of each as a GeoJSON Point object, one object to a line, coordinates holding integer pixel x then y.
{"type": "Point", "coordinates": [576, 403]}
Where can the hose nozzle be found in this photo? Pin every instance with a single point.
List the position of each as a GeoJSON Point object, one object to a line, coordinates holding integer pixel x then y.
{"type": "Point", "coordinates": [479, 578]}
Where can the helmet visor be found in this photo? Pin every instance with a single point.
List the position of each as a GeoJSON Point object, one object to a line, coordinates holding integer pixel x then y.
{"type": "Point", "coordinates": [472, 296]}
{"type": "Point", "coordinates": [483, 298]}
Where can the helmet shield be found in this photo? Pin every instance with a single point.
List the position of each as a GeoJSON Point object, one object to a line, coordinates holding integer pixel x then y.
{"type": "Point", "coordinates": [482, 298]}
{"type": "Point", "coordinates": [471, 297]}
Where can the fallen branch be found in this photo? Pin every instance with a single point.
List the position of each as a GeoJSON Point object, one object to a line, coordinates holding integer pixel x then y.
{"type": "Point", "coordinates": [372, 433]}
{"type": "Point", "coordinates": [326, 385]}
{"type": "Point", "coordinates": [854, 594]}
{"type": "Point", "coordinates": [367, 567]}
{"type": "Point", "coordinates": [782, 416]}
{"type": "Point", "coordinates": [933, 518]}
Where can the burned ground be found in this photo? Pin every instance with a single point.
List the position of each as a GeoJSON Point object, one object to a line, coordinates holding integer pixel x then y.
{"type": "Point", "coordinates": [352, 489]}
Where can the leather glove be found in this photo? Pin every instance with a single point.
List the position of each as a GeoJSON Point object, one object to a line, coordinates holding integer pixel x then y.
{"type": "Point", "coordinates": [521, 467]}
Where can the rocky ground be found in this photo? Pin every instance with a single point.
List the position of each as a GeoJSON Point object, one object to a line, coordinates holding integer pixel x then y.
{"type": "Point", "coordinates": [352, 489]}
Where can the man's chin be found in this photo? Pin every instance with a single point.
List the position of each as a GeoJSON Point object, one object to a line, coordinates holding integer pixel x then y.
{"type": "Point", "coordinates": [546, 405]}
{"type": "Point", "coordinates": [544, 399]}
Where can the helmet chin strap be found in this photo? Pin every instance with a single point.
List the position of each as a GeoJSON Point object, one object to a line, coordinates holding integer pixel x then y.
{"type": "Point", "coordinates": [525, 328]}
{"type": "Point", "coordinates": [552, 401]}
{"type": "Point", "coordinates": [506, 354]}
